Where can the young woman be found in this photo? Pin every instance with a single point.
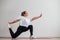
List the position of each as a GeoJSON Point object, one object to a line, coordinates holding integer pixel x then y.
{"type": "Point", "coordinates": [24, 24]}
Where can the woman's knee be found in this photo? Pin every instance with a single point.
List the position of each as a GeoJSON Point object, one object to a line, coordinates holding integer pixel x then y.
{"type": "Point", "coordinates": [30, 26]}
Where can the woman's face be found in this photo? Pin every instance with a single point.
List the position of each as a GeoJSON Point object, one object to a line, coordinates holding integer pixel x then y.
{"type": "Point", "coordinates": [26, 14]}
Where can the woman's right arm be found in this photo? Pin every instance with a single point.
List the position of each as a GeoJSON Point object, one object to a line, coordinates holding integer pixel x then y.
{"type": "Point", "coordinates": [14, 21]}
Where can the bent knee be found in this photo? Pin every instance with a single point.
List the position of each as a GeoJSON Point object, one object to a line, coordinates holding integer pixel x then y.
{"type": "Point", "coordinates": [31, 26]}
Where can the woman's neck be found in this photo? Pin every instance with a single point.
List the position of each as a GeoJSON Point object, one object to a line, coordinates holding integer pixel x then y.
{"type": "Point", "coordinates": [25, 16]}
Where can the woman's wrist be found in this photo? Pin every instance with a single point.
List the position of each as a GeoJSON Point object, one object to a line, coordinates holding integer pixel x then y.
{"type": "Point", "coordinates": [9, 23]}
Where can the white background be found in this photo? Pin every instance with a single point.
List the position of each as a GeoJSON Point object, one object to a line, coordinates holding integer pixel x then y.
{"type": "Point", "coordinates": [47, 26]}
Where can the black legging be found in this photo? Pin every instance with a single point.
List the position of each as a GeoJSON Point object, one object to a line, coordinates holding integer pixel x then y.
{"type": "Point", "coordinates": [20, 30]}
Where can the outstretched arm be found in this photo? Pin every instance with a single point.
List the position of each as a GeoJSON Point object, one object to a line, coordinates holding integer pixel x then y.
{"type": "Point", "coordinates": [14, 21]}
{"type": "Point", "coordinates": [34, 18]}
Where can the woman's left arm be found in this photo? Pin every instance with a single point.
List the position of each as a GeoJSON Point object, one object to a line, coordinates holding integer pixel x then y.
{"type": "Point", "coordinates": [34, 18]}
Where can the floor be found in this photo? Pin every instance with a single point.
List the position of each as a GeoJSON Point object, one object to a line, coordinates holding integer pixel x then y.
{"type": "Point", "coordinates": [30, 39]}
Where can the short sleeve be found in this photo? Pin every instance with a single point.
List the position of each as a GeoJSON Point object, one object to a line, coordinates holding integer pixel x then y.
{"type": "Point", "coordinates": [19, 17]}
{"type": "Point", "coordinates": [30, 19]}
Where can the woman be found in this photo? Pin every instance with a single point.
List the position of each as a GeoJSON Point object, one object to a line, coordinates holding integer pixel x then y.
{"type": "Point", "coordinates": [24, 24]}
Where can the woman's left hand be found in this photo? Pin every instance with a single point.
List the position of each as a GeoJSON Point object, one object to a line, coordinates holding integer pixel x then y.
{"type": "Point", "coordinates": [41, 15]}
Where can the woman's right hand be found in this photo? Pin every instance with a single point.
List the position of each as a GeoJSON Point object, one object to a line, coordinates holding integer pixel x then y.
{"type": "Point", "coordinates": [9, 25]}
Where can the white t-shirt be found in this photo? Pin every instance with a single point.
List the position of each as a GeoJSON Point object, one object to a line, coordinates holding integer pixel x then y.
{"type": "Point", "coordinates": [24, 21]}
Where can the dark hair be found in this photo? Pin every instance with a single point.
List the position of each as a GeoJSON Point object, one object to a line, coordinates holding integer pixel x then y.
{"type": "Point", "coordinates": [22, 14]}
